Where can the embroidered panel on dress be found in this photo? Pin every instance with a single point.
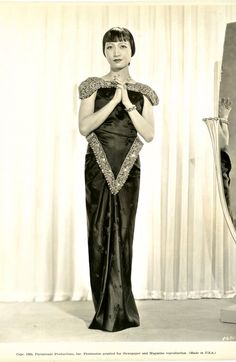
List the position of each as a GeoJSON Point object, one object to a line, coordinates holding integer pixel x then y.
{"type": "Point", "coordinates": [145, 90]}
{"type": "Point", "coordinates": [92, 84]}
{"type": "Point", "coordinates": [115, 185]}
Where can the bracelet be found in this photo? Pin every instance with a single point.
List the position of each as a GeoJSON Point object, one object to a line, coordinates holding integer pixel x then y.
{"type": "Point", "coordinates": [131, 108]}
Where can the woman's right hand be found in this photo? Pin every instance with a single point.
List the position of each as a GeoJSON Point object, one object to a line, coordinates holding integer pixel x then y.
{"type": "Point", "coordinates": [118, 93]}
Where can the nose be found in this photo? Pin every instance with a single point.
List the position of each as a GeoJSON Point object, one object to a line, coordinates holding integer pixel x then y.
{"type": "Point", "coordinates": [116, 51]}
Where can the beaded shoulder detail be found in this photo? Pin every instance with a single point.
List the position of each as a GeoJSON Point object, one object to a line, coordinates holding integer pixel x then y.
{"type": "Point", "coordinates": [115, 185]}
{"type": "Point", "coordinates": [145, 90]}
{"type": "Point", "coordinates": [92, 84]}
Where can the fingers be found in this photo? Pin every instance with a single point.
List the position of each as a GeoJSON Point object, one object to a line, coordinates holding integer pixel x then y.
{"type": "Point", "coordinates": [228, 103]}
{"type": "Point", "coordinates": [225, 102]}
{"type": "Point", "coordinates": [118, 91]}
{"type": "Point", "coordinates": [120, 84]}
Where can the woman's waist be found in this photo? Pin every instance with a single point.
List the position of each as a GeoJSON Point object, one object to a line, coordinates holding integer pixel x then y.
{"type": "Point", "coordinates": [115, 138]}
{"type": "Point", "coordinates": [113, 143]}
{"type": "Point", "coordinates": [116, 128]}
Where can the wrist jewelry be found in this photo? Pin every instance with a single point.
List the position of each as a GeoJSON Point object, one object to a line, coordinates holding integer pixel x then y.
{"type": "Point", "coordinates": [131, 108]}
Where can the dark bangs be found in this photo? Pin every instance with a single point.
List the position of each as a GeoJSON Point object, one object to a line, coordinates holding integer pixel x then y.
{"type": "Point", "coordinates": [118, 34]}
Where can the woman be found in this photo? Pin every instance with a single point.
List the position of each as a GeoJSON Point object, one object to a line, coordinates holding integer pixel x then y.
{"type": "Point", "coordinates": [113, 109]}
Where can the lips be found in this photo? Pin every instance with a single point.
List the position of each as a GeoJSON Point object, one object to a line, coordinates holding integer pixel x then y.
{"type": "Point", "coordinates": [117, 60]}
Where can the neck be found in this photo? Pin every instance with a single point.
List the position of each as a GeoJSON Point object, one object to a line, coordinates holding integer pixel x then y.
{"type": "Point", "coordinates": [121, 74]}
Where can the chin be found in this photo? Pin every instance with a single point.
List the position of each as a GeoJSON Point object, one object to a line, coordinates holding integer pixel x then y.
{"type": "Point", "coordinates": [120, 67]}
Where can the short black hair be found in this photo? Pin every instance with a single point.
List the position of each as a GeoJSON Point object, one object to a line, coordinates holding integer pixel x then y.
{"type": "Point", "coordinates": [118, 34]}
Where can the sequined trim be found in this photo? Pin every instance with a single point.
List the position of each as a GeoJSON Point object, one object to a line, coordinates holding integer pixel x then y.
{"type": "Point", "coordinates": [145, 90]}
{"type": "Point", "coordinates": [115, 185]}
{"type": "Point", "coordinates": [92, 84]}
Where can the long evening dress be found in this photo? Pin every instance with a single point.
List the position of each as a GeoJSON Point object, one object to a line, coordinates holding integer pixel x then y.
{"type": "Point", "coordinates": [112, 177]}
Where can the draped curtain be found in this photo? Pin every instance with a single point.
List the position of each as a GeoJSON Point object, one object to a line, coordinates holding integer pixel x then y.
{"type": "Point", "coordinates": [182, 248]}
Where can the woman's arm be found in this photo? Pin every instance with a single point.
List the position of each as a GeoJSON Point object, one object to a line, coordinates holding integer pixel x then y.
{"type": "Point", "coordinates": [90, 120]}
{"type": "Point", "coordinates": [144, 123]}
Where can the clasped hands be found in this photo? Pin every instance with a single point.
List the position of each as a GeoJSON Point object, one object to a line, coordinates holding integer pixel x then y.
{"type": "Point", "coordinates": [121, 94]}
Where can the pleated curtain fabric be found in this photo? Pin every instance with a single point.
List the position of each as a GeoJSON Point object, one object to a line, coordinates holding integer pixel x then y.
{"type": "Point", "coordinates": [182, 248]}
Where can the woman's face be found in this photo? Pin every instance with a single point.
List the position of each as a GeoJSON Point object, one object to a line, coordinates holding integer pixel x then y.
{"type": "Point", "coordinates": [118, 54]}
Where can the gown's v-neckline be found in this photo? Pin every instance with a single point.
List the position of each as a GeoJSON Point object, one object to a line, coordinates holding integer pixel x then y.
{"type": "Point", "coordinates": [115, 184]}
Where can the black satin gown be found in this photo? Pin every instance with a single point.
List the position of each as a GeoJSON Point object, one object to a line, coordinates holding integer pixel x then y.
{"type": "Point", "coordinates": [112, 179]}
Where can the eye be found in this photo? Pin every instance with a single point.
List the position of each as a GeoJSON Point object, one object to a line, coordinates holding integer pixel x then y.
{"type": "Point", "coordinates": [108, 47]}
{"type": "Point", "coordinates": [123, 46]}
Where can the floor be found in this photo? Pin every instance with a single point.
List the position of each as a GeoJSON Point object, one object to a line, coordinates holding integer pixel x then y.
{"type": "Point", "coordinates": [185, 320]}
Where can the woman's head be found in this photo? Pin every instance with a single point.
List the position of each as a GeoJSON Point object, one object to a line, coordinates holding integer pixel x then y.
{"type": "Point", "coordinates": [118, 35]}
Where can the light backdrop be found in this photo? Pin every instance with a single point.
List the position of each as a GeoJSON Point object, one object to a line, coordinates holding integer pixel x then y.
{"type": "Point", "coordinates": [182, 248]}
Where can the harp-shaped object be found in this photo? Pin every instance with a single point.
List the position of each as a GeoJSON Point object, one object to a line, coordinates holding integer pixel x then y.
{"type": "Point", "coordinates": [225, 155]}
